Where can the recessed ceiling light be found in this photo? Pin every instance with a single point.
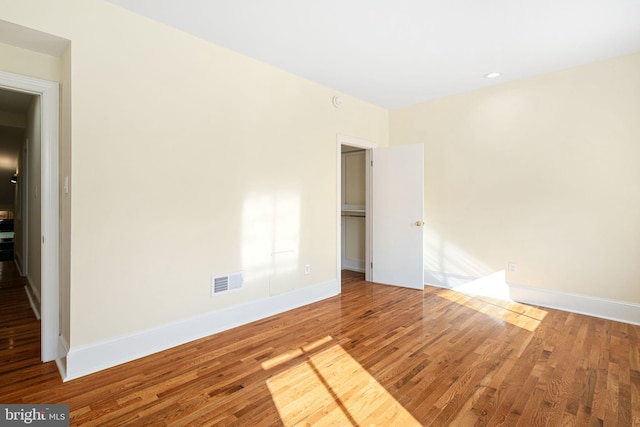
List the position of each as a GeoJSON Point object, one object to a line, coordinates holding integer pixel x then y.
{"type": "Point", "coordinates": [492, 75]}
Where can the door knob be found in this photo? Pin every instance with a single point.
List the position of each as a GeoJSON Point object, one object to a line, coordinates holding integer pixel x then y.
{"type": "Point", "coordinates": [419, 223]}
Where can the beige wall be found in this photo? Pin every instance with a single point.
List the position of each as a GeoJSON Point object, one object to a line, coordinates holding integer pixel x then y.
{"type": "Point", "coordinates": [26, 62]}
{"type": "Point", "coordinates": [188, 160]}
{"type": "Point", "coordinates": [542, 172]}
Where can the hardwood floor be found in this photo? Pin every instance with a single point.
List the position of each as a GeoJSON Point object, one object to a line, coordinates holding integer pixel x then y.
{"type": "Point", "coordinates": [374, 355]}
{"type": "Point", "coordinates": [9, 276]}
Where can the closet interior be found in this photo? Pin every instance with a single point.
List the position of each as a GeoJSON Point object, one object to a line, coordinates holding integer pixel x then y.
{"type": "Point", "coordinates": [353, 198]}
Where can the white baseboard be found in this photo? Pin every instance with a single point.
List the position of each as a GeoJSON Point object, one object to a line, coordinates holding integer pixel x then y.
{"type": "Point", "coordinates": [356, 269]}
{"type": "Point", "coordinates": [61, 360]}
{"type": "Point", "coordinates": [84, 360]}
{"type": "Point", "coordinates": [33, 289]}
{"type": "Point", "coordinates": [61, 367]}
{"type": "Point", "coordinates": [63, 346]}
{"type": "Point", "coordinates": [620, 311]}
{"type": "Point", "coordinates": [17, 259]}
{"type": "Point", "coordinates": [34, 297]}
{"type": "Point", "coordinates": [352, 265]}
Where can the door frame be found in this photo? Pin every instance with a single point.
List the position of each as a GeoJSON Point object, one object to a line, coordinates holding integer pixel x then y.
{"type": "Point", "coordinates": [49, 193]}
{"type": "Point", "coordinates": [367, 146]}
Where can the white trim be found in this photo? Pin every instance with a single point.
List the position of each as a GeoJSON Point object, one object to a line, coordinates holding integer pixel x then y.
{"type": "Point", "coordinates": [61, 367]}
{"type": "Point", "coordinates": [49, 96]}
{"type": "Point", "coordinates": [367, 145]}
{"type": "Point", "coordinates": [352, 265]}
{"type": "Point", "coordinates": [63, 344]}
{"type": "Point", "coordinates": [34, 300]}
{"type": "Point", "coordinates": [63, 348]}
{"type": "Point", "coordinates": [619, 311]}
{"type": "Point", "coordinates": [34, 291]}
{"type": "Point", "coordinates": [84, 360]}
{"type": "Point", "coordinates": [17, 260]}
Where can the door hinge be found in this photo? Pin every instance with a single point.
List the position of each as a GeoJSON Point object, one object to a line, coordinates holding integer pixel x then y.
{"type": "Point", "coordinates": [371, 163]}
{"type": "Point", "coordinates": [372, 265]}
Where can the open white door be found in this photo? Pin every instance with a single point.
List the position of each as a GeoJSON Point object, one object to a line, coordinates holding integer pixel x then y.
{"type": "Point", "coordinates": [397, 206]}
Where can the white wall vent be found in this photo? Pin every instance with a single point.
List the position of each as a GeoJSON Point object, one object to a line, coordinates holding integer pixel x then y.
{"type": "Point", "coordinates": [226, 283]}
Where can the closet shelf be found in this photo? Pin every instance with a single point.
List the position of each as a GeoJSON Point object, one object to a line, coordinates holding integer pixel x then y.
{"type": "Point", "coordinates": [356, 213]}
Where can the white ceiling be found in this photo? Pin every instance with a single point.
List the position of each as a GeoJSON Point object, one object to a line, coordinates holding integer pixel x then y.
{"type": "Point", "coordinates": [402, 52]}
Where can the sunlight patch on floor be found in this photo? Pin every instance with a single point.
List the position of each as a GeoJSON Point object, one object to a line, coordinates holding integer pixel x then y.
{"type": "Point", "coordinates": [292, 354]}
{"type": "Point", "coordinates": [493, 286]}
{"type": "Point", "coordinates": [331, 388]}
{"type": "Point", "coordinates": [490, 295]}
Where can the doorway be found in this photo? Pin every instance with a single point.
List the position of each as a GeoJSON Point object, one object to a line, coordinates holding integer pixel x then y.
{"type": "Point", "coordinates": [353, 208]}
{"type": "Point", "coordinates": [354, 224]}
{"type": "Point", "coordinates": [394, 203]}
{"type": "Point", "coordinates": [19, 126]}
{"type": "Point", "coordinates": [14, 107]}
{"type": "Point", "coordinates": [46, 191]}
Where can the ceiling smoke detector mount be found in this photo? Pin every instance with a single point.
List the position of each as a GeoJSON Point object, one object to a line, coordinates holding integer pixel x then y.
{"type": "Point", "coordinates": [336, 101]}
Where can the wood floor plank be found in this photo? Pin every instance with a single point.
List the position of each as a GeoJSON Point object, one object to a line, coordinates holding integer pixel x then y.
{"type": "Point", "coordinates": [373, 355]}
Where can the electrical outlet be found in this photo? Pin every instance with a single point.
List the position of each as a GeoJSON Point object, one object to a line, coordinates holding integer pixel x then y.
{"type": "Point", "coordinates": [512, 267]}
{"type": "Point", "coordinates": [307, 269]}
